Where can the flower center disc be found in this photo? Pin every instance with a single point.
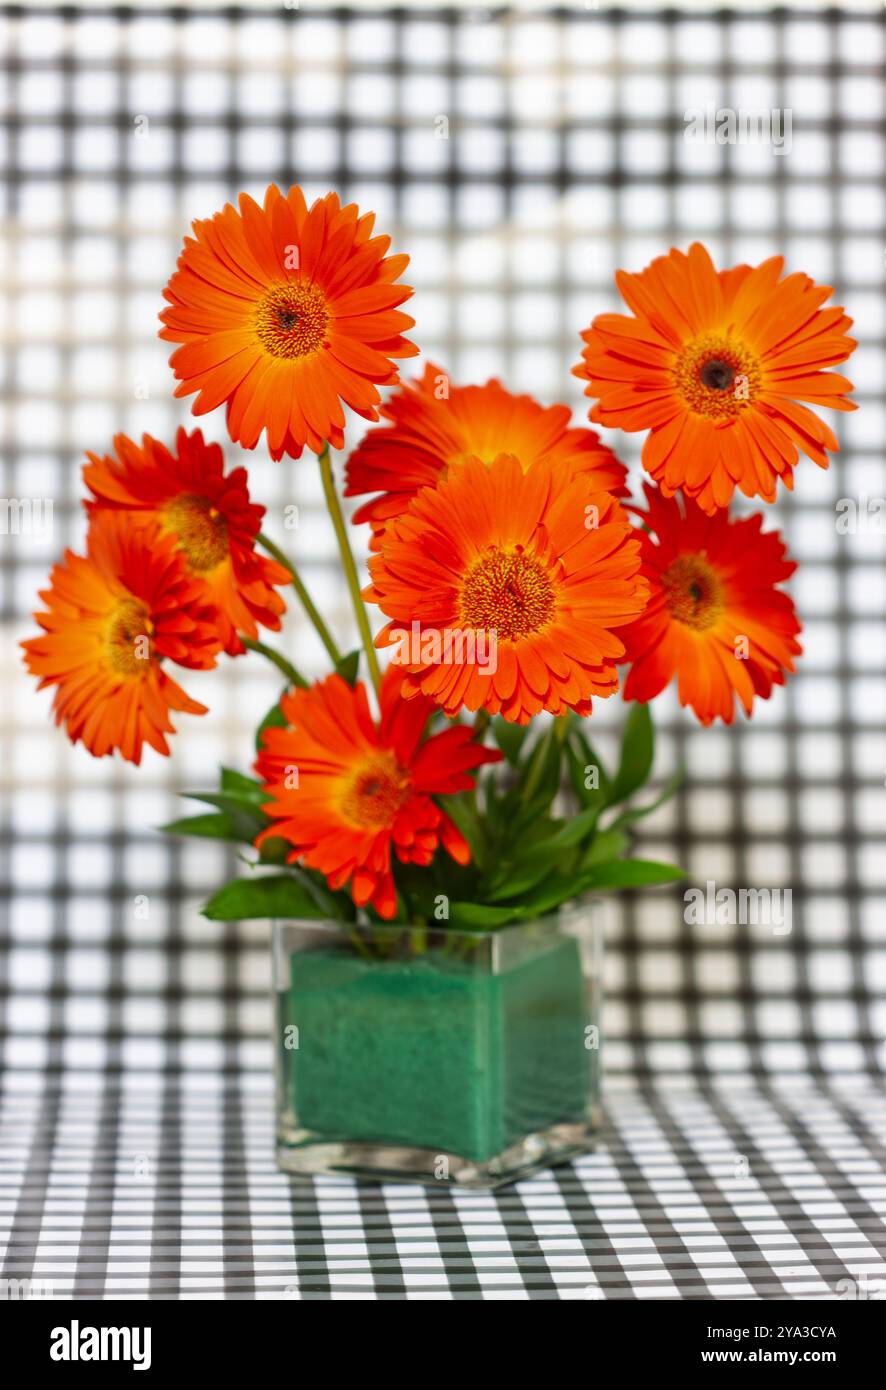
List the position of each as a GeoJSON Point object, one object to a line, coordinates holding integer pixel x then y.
{"type": "Point", "coordinates": [129, 638]}
{"type": "Point", "coordinates": [717, 377]}
{"type": "Point", "coordinates": [376, 792]}
{"type": "Point", "coordinates": [201, 531]}
{"type": "Point", "coordinates": [507, 592]}
{"type": "Point", "coordinates": [693, 592]}
{"type": "Point", "coordinates": [291, 320]}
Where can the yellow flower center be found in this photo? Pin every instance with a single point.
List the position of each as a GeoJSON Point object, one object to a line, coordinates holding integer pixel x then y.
{"type": "Point", "coordinates": [507, 592]}
{"type": "Point", "coordinates": [128, 638]}
{"type": "Point", "coordinates": [292, 319]}
{"type": "Point", "coordinates": [717, 376]}
{"type": "Point", "coordinates": [693, 592]}
{"type": "Point", "coordinates": [200, 529]}
{"type": "Point", "coordinates": [375, 792]}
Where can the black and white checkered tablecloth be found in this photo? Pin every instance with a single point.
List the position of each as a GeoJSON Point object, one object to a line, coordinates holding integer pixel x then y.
{"type": "Point", "coordinates": [167, 1189]}
{"type": "Point", "coordinates": [746, 1126]}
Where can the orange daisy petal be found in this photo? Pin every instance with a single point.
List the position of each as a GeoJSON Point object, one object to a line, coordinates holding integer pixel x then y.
{"type": "Point", "coordinates": [503, 588]}
{"type": "Point", "coordinates": [112, 617]}
{"type": "Point", "coordinates": [209, 518]}
{"type": "Point", "coordinates": [345, 791]}
{"type": "Point", "coordinates": [260, 297]}
{"type": "Point", "coordinates": [716, 619]}
{"type": "Point", "coordinates": [731, 352]}
{"type": "Point", "coordinates": [435, 427]}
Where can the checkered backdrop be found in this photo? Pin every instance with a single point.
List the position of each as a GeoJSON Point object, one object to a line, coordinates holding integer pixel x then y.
{"type": "Point", "coordinates": [566, 157]}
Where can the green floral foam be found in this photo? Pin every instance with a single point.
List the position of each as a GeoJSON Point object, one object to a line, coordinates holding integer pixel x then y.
{"type": "Point", "coordinates": [434, 1052]}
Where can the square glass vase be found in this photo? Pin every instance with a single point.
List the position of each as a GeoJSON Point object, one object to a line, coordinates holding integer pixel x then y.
{"type": "Point", "coordinates": [434, 1055]}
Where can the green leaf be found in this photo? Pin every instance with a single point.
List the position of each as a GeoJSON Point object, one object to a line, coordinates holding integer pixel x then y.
{"type": "Point", "coordinates": [274, 719]}
{"type": "Point", "coordinates": [331, 904]}
{"type": "Point", "coordinates": [538, 855]}
{"type": "Point", "coordinates": [509, 737]}
{"type": "Point", "coordinates": [212, 825]}
{"type": "Point", "coordinates": [489, 794]}
{"type": "Point", "coordinates": [557, 889]}
{"type": "Point", "coordinates": [510, 881]}
{"type": "Point", "coordinates": [574, 832]}
{"type": "Point", "coordinates": [638, 812]}
{"type": "Point", "coordinates": [274, 850]}
{"type": "Point", "coordinates": [580, 758]}
{"type": "Point", "coordinates": [245, 817]}
{"type": "Point", "coordinates": [349, 666]}
{"type": "Point", "coordinates": [247, 788]}
{"type": "Point", "coordinates": [609, 844]}
{"type": "Point", "coordinates": [637, 752]}
{"type": "Point", "coordinates": [479, 915]}
{"type": "Point", "coordinates": [243, 806]}
{"type": "Point", "coordinates": [279, 896]}
{"type": "Point", "coordinates": [241, 797]}
{"type": "Point", "coordinates": [633, 873]}
{"type": "Point", "coordinates": [461, 808]}
{"type": "Point", "coordinates": [620, 873]}
{"type": "Point", "coordinates": [541, 780]}
{"type": "Point", "coordinates": [530, 837]}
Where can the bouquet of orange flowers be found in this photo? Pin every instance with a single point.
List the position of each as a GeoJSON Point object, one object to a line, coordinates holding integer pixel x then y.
{"type": "Point", "coordinates": [515, 572]}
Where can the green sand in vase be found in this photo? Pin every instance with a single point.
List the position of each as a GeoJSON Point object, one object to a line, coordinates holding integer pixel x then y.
{"type": "Point", "coordinates": [431, 1052]}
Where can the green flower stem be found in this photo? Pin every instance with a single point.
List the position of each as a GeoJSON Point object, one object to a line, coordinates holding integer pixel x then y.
{"type": "Point", "coordinates": [359, 944]}
{"type": "Point", "coordinates": [562, 724]}
{"type": "Point", "coordinates": [556, 732]}
{"type": "Point", "coordinates": [307, 602]}
{"type": "Point", "coordinates": [481, 723]}
{"type": "Point", "coordinates": [536, 762]}
{"type": "Point", "coordinates": [278, 660]}
{"type": "Point", "coordinates": [348, 565]}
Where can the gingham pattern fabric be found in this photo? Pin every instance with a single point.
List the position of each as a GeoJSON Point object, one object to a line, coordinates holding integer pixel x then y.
{"type": "Point", "coordinates": [166, 1189]}
{"type": "Point", "coordinates": [520, 157]}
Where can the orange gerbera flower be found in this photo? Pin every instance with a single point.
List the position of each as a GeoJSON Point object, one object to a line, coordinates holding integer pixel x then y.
{"type": "Point", "coordinates": [113, 616]}
{"type": "Point", "coordinates": [284, 313]}
{"type": "Point", "coordinates": [347, 790]}
{"type": "Point", "coordinates": [210, 517]}
{"type": "Point", "coordinates": [715, 619]}
{"type": "Point", "coordinates": [435, 427]}
{"type": "Point", "coordinates": [504, 588]}
{"type": "Point", "coordinates": [715, 367]}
